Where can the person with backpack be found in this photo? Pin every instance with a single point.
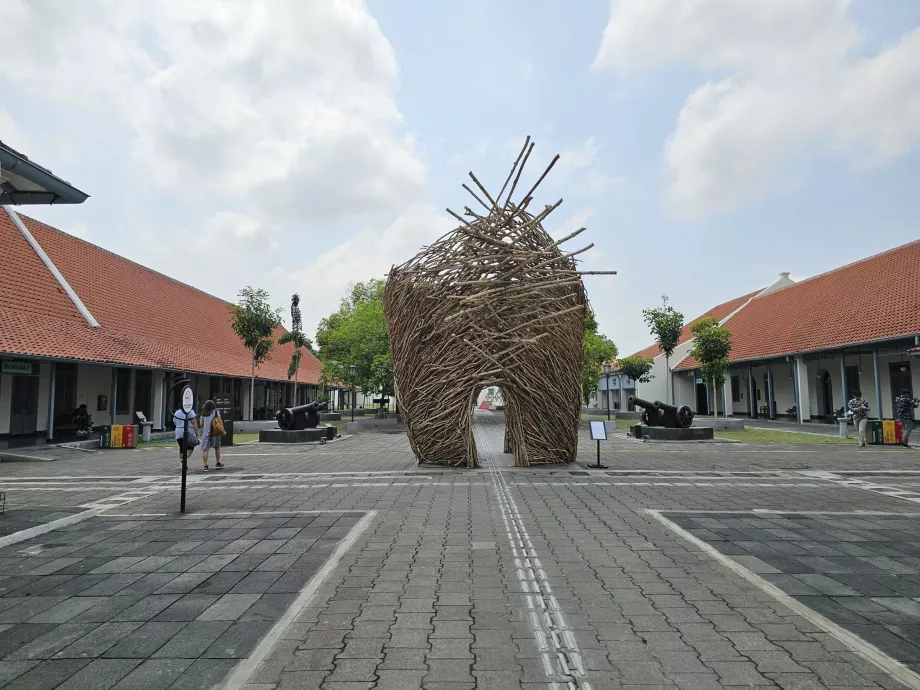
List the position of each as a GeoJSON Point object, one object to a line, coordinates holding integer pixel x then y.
{"type": "Point", "coordinates": [212, 431]}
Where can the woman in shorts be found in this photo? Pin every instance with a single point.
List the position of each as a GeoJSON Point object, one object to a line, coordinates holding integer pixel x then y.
{"type": "Point", "coordinates": [208, 438]}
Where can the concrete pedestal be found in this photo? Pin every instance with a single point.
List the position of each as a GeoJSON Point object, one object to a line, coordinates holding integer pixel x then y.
{"type": "Point", "coordinates": [660, 433]}
{"type": "Point", "coordinates": [298, 436]}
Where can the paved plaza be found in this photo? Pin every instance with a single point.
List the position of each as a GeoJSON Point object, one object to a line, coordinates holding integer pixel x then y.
{"type": "Point", "coordinates": [350, 566]}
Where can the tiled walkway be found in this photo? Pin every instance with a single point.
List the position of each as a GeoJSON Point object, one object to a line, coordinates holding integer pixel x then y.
{"type": "Point", "coordinates": [450, 579]}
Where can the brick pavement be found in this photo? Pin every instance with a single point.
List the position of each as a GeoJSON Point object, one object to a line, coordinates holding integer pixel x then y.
{"type": "Point", "coordinates": [590, 591]}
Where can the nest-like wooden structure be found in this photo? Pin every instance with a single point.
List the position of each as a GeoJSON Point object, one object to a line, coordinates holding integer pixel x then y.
{"type": "Point", "coordinates": [493, 302]}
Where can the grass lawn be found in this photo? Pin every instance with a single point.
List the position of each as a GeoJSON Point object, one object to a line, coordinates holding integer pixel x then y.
{"type": "Point", "coordinates": [746, 436]}
{"type": "Point", "coordinates": [770, 436]}
{"type": "Point", "coordinates": [171, 442]}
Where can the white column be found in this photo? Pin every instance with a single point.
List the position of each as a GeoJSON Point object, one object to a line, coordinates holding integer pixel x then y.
{"type": "Point", "coordinates": [156, 409]}
{"type": "Point", "coordinates": [727, 396]}
{"type": "Point", "coordinates": [803, 380]}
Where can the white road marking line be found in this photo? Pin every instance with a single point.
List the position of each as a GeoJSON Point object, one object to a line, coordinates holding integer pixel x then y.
{"type": "Point", "coordinates": [564, 649]}
{"type": "Point", "coordinates": [867, 651]}
{"type": "Point", "coordinates": [248, 666]}
{"type": "Point", "coordinates": [857, 483]}
{"type": "Point", "coordinates": [38, 530]}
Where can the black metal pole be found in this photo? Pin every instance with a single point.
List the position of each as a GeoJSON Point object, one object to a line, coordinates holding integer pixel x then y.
{"type": "Point", "coordinates": [608, 409]}
{"type": "Point", "coordinates": [184, 466]}
{"type": "Point", "coordinates": [353, 397]}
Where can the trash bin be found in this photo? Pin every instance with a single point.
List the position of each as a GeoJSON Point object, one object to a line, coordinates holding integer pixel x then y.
{"type": "Point", "coordinates": [228, 427]}
{"type": "Point", "coordinates": [146, 429]}
{"type": "Point", "coordinates": [843, 427]}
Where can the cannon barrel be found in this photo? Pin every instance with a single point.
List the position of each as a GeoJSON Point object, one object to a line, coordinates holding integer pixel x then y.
{"type": "Point", "coordinates": [675, 416]}
{"type": "Point", "coordinates": [652, 415]}
{"type": "Point", "coordinates": [301, 416]}
{"type": "Point", "coordinates": [642, 403]}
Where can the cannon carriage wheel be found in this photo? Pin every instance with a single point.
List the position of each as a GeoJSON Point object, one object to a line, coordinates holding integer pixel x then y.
{"type": "Point", "coordinates": [684, 417]}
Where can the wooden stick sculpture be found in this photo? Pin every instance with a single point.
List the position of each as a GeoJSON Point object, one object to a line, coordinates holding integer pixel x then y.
{"type": "Point", "coordinates": [493, 302]}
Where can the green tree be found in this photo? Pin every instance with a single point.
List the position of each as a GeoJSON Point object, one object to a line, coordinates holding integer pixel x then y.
{"type": "Point", "coordinates": [666, 325]}
{"type": "Point", "coordinates": [296, 336]}
{"type": "Point", "coordinates": [254, 321]}
{"type": "Point", "coordinates": [637, 368]}
{"type": "Point", "coordinates": [598, 349]}
{"type": "Point", "coordinates": [356, 335]}
{"type": "Point", "coordinates": [711, 346]}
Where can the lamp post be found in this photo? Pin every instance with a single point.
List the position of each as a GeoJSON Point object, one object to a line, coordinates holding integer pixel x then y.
{"type": "Point", "coordinates": [352, 369]}
{"type": "Point", "coordinates": [607, 369]}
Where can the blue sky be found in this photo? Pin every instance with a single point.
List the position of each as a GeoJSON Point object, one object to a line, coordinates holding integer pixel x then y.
{"type": "Point", "coordinates": [706, 146]}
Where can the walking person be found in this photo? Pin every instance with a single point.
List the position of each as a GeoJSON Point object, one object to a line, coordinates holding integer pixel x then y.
{"type": "Point", "coordinates": [859, 408]}
{"type": "Point", "coordinates": [212, 431]}
{"type": "Point", "coordinates": [187, 440]}
{"type": "Point", "coordinates": [905, 413]}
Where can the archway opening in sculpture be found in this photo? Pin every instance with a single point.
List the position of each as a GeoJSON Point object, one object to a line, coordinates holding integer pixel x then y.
{"type": "Point", "coordinates": [495, 302]}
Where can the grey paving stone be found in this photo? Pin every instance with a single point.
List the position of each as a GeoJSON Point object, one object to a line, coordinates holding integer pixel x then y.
{"type": "Point", "coordinates": [47, 645]}
{"type": "Point", "coordinates": [98, 641]}
{"type": "Point", "coordinates": [188, 608]}
{"type": "Point", "coordinates": [154, 673]}
{"type": "Point", "coordinates": [738, 673]}
{"type": "Point", "coordinates": [105, 609]}
{"type": "Point", "coordinates": [147, 607]}
{"type": "Point", "coordinates": [183, 583]}
{"type": "Point", "coordinates": [354, 670]}
{"type": "Point", "coordinates": [26, 608]}
{"type": "Point", "coordinates": [144, 641]}
{"type": "Point", "coordinates": [229, 607]}
{"type": "Point", "coordinates": [100, 674]}
{"type": "Point", "coordinates": [66, 610]}
{"type": "Point", "coordinates": [16, 636]}
{"type": "Point", "coordinates": [256, 582]}
{"type": "Point", "coordinates": [112, 584]}
{"type": "Point", "coordinates": [10, 670]}
{"type": "Point", "coordinates": [399, 679]}
{"type": "Point", "coordinates": [193, 640]}
{"type": "Point", "coordinates": [46, 675]}
{"type": "Point", "coordinates": [449, 671]}
{"type": "Point", "coordinates": [219, 583]}
{"type": "Point", "coordinates": [238, 641]}
{"type": "Point", "coordinates": [204, 673]}
{"type": "Point", "coordinates": [312, 660]}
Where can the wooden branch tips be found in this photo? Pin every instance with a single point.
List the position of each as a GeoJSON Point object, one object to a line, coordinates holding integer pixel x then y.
{"type": "Point", "coordinates": [495, 302]}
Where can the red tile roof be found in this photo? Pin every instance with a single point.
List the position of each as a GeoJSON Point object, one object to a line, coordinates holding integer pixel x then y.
{"type": "Point", "coordinates": [718, 312]}
{"type": "Point", "coordinates": [135, 307]}
{"type": "Point", "coordinates": [871, 300]}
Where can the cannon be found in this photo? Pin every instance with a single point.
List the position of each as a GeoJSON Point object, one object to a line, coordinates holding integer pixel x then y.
{"type": "Point", "coordinates": [302, 416]}
{"type": "Point", "coordinates": [661, 414]}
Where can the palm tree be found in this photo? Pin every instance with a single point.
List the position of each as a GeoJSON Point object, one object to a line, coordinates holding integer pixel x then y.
{"type": "Point", "coordinates": [296, 336]}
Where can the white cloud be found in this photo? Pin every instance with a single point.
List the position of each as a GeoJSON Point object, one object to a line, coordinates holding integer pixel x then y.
{"type": "Point", "coordinates": [787, 79]}
{"type": "Point", "coordinates": [287, 105]}
{"type": "Point", "coordinates": [11, 134]}
{"type": "Point", "coordinates": [579, 219]}
{"type": "Point", "coordinates": [368, 254]}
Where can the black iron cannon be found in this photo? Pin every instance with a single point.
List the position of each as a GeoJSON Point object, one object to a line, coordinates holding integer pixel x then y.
{"type": "Point", "coordinates": [302, 416]}
{"type": "Point", "coordinates": [661, 414]}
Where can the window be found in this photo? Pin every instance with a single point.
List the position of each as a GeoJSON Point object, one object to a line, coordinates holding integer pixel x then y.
{"type": "Point", "coordinates": [736, 389]}
{"type": "Point", "coordinates": [122, 391]}
{"type": "Point", "coordinates": [65, 393]}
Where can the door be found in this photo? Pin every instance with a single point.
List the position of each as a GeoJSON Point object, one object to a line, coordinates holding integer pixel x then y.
{"type": "Point", "coordinates": [900, 380]}
{"type": "Point", "coordinates": [65, 395]}
{"type": "Point", "coordinates": [143, 393]}
{"type": "Point", "coordinates": [24, 408]}
{"type": "Point", "coordinates": [702, 399]}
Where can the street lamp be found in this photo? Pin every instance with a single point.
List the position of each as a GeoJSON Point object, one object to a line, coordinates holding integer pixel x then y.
{"type": "Point", "coordinates": [607, 370]}
{"type": "Point", "coordinates": [352, 369]}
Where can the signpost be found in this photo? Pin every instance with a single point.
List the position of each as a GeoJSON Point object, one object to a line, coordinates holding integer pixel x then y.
{"type": "Point", "coordinates": [598, 433]}
{"type": "Point", "coordinates": [188, 404]}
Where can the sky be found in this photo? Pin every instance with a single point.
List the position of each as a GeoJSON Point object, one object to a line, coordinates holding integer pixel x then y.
{"type": "Point", "coordinates": [302, 145]}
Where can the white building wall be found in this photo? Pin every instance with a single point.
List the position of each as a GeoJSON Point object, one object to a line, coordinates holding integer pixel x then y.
{"type": "Point", "coordinates": [157, 408]}
{"type": "Point", "coordinates": [93, 381]}
{"type": "Point", "coordinates": [44, 395]}
{"type": "Point", "coordinates": [6, 402]}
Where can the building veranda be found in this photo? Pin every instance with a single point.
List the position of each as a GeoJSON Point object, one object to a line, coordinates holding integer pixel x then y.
{"type": "Point", "coordinates": [800, 349]}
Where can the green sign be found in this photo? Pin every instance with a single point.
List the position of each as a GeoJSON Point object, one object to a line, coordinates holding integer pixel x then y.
{"type": "Point", "coordinates": [699, 380]}
{"type": "Point", "coordinates": [16, 368]}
